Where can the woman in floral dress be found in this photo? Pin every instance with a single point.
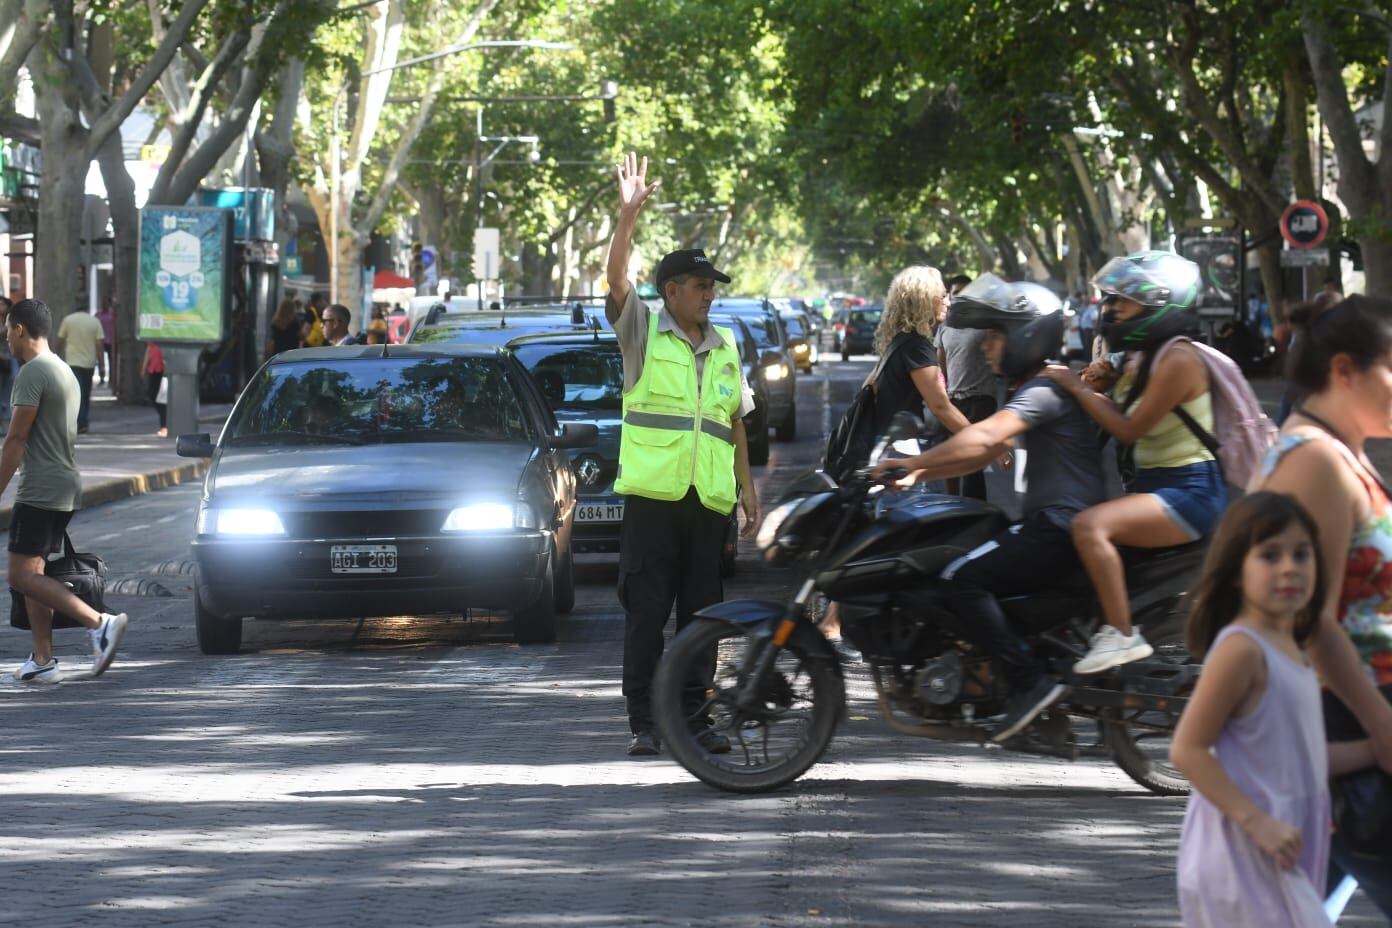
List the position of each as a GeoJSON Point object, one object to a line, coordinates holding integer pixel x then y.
{"type": "Point", "coordinates": [1343, 367]}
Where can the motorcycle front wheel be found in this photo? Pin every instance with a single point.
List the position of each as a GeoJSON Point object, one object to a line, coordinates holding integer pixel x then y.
{"type": "Point", "coordinates": [1140, 740]}
{"type": "Point", "coordinates": [774, 739]}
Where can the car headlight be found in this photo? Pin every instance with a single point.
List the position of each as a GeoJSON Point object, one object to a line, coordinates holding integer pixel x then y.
{"type": "Point", "coordinates": [775, 372]}
{"type": "Point", "coordinates": [490, 517]}
{"type": "Point", "coordinates": [245, 522]}
{"type": "Point", "coordinates": [773, 523]}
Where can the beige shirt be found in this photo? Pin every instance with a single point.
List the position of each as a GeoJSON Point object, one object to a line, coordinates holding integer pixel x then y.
{"type": "Point", "coordinates": [82, 337]}
{"type": "Point", "coordinates": [632, 331]}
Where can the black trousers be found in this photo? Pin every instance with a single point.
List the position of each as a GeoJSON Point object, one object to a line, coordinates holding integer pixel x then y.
{"type": "Point", "coordinates": [84, 383]}
{"type": "Point", "coordinates": [975, 408]}
{"type": "Point", "coordinates": [669, 553]}
{"type": "Point", "coordinates": [1030, 555]}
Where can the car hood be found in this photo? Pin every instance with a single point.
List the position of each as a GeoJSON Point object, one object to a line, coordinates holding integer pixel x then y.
{"type": "Point", "coordinates": [402, 471]}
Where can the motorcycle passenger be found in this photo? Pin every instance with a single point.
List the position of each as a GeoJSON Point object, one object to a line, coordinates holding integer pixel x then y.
{"type": "Point", "coordinates": [1177, 494]}
{"type": "Point", "coordinates": [1064, 466]}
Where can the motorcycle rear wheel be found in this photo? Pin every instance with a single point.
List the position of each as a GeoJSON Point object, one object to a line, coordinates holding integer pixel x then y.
{"type": "Point", "coordinates": [801, 701]}
{"type": "Point", "coordinates": [1142, 754]}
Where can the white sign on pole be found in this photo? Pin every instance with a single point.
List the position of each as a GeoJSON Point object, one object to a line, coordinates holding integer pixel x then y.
{"type": "Point", "coordinates": [1309, 257]}
{"type": "Point", "coordinates": [487, 243]}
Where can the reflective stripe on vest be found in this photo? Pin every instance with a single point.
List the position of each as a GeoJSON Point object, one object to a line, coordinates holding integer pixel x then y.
{"type": "Point", "coordinates": [675, 437]}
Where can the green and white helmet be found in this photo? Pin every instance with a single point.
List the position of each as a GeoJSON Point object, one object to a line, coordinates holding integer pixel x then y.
{"type": "Point", "coordinates": [1165, 283]}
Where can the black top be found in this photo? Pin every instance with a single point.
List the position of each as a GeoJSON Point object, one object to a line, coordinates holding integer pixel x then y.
{"type": "Point", "coordinates": [895, 390]}
{"type": "Point", "coordinates": [286, 339]}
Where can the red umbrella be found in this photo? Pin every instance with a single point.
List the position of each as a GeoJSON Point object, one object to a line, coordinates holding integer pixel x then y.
{"type": "Point", "coordinates": [388, 280]}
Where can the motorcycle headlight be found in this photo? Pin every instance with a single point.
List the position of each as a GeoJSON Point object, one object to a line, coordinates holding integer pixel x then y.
{"type": "Point", "coordinates": [773, 523]}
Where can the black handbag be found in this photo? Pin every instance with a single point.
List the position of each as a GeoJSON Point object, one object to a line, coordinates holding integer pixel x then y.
{"type": "Point", "coordinates": [851, 442]}
{"type": "Point", "coordinates": [1361, 801]}
{"type": "Point", "coordinates": [83, 574]}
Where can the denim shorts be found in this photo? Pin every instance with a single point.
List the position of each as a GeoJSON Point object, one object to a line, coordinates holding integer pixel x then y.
{"type": "Point", "coordinates": [1194, 496]}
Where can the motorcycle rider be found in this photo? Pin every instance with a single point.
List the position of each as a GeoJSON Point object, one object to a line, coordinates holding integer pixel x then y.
{"type": "Point", "coordinates": [1065, 476]}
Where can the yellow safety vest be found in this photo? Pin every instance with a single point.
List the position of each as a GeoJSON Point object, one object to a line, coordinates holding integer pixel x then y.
{"type": "Point", "coordinates": [675, 437]}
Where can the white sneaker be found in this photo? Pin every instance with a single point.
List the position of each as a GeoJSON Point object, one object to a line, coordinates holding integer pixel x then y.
{"type": "Point", "coordinates": [1110, 648]}
{"type": "Point", "coordinates": [106, 637]}
{"type": "Point", "coordinates": [33, 672]}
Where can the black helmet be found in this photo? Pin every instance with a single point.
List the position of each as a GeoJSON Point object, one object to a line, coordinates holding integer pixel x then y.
{"type": "Point", "coordinates": [1164, 283]}
{"type": "Point", "coordinates": [1027, 313]}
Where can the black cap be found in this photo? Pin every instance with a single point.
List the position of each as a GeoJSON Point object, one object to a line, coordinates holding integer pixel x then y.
{"type": "Point", "coordinates": [689, 261]}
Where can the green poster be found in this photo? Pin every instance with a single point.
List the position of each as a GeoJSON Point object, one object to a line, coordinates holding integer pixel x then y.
{"type": "Point", "coordinates": [183, 274]}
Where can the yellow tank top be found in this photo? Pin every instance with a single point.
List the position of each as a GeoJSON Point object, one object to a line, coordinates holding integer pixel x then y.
{"type": "Point", "coordinates": [1170, 443]}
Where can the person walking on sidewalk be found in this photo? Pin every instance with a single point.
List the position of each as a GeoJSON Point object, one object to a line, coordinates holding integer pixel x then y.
{"type": "Point", "coordinates": [155, 388]}
{"type": "Point", "coordinates": [7, 371]}
{"type": "Point", "coordinates": [683, 459]}
{"type": "Point", "coordinates": [41, 435]}
{"type": "Point", "coordinates": [80, 340]}
{"type": "Point", "coordinates": [107, 317]}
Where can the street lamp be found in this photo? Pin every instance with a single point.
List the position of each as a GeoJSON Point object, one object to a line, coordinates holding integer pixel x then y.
{"type": "Point", "coordinates": [338, 98]}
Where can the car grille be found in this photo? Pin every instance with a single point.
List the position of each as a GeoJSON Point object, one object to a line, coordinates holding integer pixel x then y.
{"type": "Point", "coordinates": [373, 523]}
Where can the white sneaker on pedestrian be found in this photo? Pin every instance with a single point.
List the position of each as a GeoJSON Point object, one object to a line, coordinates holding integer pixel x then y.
{"type": "Point", "coordinates": [33, 672]}
{"type": "Point", "coordinates": [106, 637]}
{"type": "Point", "coordinates": [1110, 648]}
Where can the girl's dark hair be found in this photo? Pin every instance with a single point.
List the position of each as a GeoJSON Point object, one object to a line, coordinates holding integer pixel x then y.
{"type": "Point", "coordinates": [1218, 595]}
{"type": "Point", "coordinates": [1360, 327]}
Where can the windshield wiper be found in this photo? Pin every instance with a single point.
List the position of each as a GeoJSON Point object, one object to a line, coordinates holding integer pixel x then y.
{"type": "Point", "coordinates": [289, 438]}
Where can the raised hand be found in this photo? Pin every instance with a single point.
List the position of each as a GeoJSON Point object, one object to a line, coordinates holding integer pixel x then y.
{"type": "Point", "coordinates": [634, 188]}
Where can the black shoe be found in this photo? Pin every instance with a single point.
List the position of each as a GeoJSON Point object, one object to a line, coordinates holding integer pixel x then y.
{"type": "Point", "coordinates": [844, 650]}
{"type": "Point", "coordinates": [646, 744]}
{"type": "Point", "coordinates": [712, 741]}
{"type": "Point", "coordinates": [1023, 707]}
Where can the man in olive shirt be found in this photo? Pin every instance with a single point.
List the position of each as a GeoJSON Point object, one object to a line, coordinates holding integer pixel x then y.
{"type": "Point", "coordinates": [43, 428]}
{"type": "Point", "coordinates": [80, 339]}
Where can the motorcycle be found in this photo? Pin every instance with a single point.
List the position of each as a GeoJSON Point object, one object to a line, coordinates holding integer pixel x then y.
{"type": "Point", "coordinates": [778, 690]}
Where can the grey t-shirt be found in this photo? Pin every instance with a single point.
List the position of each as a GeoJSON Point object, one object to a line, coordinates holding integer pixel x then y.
{"type": "Point", "coordinates": [968, 371]}
{"type": "Point", "coordinates": [632, 332]}
{"type": "Point", "coordinates": [48, 476]}
{"type": "Point", "coordinates": [1063, 454]}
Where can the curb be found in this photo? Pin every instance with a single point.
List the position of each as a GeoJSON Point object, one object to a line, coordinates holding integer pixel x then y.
{"type": "Point", "coordinates": [116, 488]}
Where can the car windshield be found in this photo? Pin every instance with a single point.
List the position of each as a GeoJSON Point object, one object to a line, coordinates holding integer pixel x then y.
{"type": "Point", "coordinates": [369, 401]}
{"type": "Point", "coordinates": [749, 352]}
{"type": "Point", "coordinates": [585, 377]}
{"type": "Point", "coordinates": [794, 326]}
{"type": "Point", "coordinates": [864, 316]}
{"type": "Point", "coordinates": [763, 327]}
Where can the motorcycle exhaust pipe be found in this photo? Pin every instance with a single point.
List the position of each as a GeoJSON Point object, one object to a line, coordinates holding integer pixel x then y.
{"type": "Point", "coordinates": [938, 731]}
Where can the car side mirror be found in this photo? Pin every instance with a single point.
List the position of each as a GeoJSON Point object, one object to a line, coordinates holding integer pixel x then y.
{"type": "Point", "coordinates": [576, 435]}
{"type": "Point", "coordinates": [199, 445]}
{"type": "Point", "coordinates": [771, 357]}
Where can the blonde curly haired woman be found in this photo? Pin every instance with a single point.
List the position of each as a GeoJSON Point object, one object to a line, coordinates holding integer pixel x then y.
{"type": "Point", "coordinates": [908, 377]}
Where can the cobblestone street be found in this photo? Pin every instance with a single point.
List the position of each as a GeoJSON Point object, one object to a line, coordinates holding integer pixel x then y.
{"type": "Point", "coordinates": [428, 772]}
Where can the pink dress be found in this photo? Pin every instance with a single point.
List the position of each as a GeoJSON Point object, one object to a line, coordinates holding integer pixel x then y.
{"type": "Point", "coordinates": [1277, 757]}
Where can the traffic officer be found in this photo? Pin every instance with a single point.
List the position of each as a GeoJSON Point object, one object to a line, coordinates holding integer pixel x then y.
{"type": "Point", "coordinates": [683, 457]}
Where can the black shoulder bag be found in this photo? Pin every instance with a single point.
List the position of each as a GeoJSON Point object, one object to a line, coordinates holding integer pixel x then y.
{"type": "Point", "coordinates": [81, 573]}
{"type": "Point", "coordinates": [850, 443]}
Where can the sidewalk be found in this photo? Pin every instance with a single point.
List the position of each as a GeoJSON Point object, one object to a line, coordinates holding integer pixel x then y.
{"type": "Point", "coordinates": [121, 456]}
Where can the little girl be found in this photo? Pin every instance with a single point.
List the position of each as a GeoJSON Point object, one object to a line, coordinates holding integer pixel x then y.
{"type": "Point", "coordinates": [1255, 844]}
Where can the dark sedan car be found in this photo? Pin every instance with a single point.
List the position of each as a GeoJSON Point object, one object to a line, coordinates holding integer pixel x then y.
{"type": "Point", "coordinates": [859, 337]}
{"type": "Point", "coordinates": [581, 377]}
{"type": "Point", "coordinates": [498, 327]}
{"type": "Point", "coordinates": [776, 372]}
{"type": "Point", "coordinates": [386, 480]}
